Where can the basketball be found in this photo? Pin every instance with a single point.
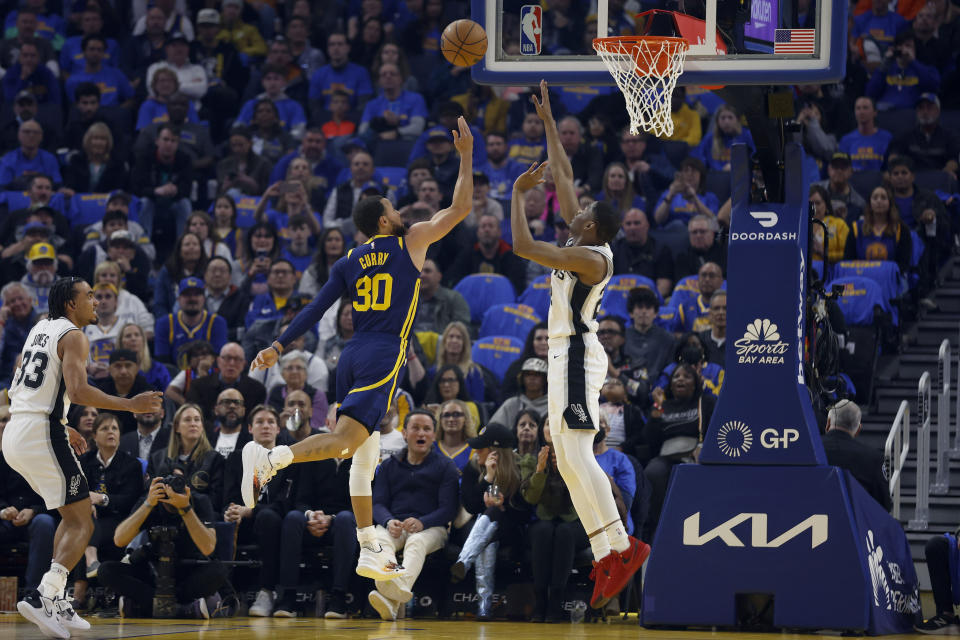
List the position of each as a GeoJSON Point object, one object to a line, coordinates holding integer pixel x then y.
{"type": "Point", "coordinates": [463, 43]}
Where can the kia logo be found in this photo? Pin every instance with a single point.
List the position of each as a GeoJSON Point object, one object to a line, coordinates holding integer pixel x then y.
{"type": "Point", "coordinates": [766, 219]}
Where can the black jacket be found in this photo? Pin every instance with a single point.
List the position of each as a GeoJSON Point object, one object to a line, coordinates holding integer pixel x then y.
{"type": "Point", "coordinates": [324, 486]}
{"type": "Point", "coordinates": [864, 463]}
{"type": "Point", "coordinates": [122, 481]}
{"type": "Point", "coordinates": [77, 175]}
{"type": "Point", "coordinates": [205, 476]}
{"type": "Point", "coordinates": [688, 262]}
{"type": "Point", "coordinates": [204, 391]}
{"type": "Point", "coordinates": [130, 442]}
{"type": "Point", "coordinates": [148, 174]}
{"type": "Point", "coordinates": [234, 309]}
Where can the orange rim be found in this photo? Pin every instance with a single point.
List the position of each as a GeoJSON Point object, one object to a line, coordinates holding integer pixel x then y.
{"type": "Point", "coordinates": [616, 44]}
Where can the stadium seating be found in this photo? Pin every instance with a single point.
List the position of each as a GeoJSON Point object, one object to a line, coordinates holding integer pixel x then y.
{"type": "Point", "coordinates": [509, 319]}
{"type": "Point", "coordinates": [497, 353]}
{"type": "Point", "coordinates": [537, 295]}
{"type": "Point", "coordinates": [482, 290]}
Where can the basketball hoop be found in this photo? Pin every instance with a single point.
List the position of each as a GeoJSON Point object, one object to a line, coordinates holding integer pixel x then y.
{"type": "Point", "coordinates": [646, 69]}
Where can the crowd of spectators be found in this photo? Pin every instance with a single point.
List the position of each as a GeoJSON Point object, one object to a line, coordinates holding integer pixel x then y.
{"type": "Point", "coordinates": [198, 161]}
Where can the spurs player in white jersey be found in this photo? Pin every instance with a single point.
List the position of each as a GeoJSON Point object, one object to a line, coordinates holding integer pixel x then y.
{"type": "Point", "coordinates": [39, 445]}
{"type": "Point", "coordinates": [577, 363]}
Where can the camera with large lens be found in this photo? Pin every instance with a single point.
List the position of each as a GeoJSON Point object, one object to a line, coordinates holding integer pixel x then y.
{"type": "Point", "coordinates": [163, 546]}
{"type": "Point", "coordinates": [176, 482]}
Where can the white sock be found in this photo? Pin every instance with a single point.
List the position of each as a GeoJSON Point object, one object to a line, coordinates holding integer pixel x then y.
{"type": "Point", "coordinates": [600, 545]}
{"type": "Point", "coordinates": [367, 537]}
{"type": "Point", "coordinates": [281, 456]}
{"type": "Point", "coordinates": [617, 534]}
{"type": "Point", "coordinates": [54, 581]}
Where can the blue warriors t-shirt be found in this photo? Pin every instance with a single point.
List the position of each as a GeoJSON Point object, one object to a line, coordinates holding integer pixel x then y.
{"type": "Point", "coordinates": [351, 79]}
{"type": "Point", "coordinates": [114, 86]}
{"type": "Point", "coordinates": [71, 56]}
{"type": "Point", "coordinates": [874, 247]}
{"type": "Point", "coordinates": [683, 209]}
{"type": "Point", "coordinates": [152, 112]}
{"type": "Point", "coordinates": [883, 29]}
{"type": "Point", "coordinates": [502, 179]}
{"type": "Point", "coordinates": [867, 153]}
{"type": "Point", "coordinates": [407, 105]}
{"type": "Point", "coordinates": [291, 113]}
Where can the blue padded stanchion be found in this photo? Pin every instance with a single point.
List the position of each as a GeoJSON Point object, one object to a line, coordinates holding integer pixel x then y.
{"type": "Point", "coordinates": [762, 513]}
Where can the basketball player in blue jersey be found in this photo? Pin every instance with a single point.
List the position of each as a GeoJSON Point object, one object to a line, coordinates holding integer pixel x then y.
{"type": "Point", "coordinates": [382, 276]}
{"type": "Point", "coordinates": [577, 363]}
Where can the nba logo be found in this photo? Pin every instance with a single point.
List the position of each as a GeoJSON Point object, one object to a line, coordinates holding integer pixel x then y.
{"type": "Point", "coordinates": [531, 23]}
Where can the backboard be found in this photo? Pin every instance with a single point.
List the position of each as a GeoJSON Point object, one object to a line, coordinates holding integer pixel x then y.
{"type": "Point", "coordinates": [758, 42]}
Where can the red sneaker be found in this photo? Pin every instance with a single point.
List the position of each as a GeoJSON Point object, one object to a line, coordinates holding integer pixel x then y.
{"type": "Point", "coordinates": [625, 565]}
{"type": "Point", "coordinates": [600, 576]}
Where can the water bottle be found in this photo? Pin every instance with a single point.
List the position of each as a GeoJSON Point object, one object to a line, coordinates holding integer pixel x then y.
{"type": "Point", "coordinates": [294, 421]}
{"type": "Point", "coordinates": [578, 611]}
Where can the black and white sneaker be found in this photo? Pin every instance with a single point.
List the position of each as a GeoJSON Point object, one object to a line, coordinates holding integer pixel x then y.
{"type": "Point", "coordinates": [939, 625]}
{"type": "Point", "coordinates": [43, 613]}
{"type": "Point", "coordinates": [68, 617]}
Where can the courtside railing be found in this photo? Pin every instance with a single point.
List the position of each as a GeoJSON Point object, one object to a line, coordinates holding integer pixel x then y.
{"type": "Point", "coordinates": [941, 484]}
{"type": "Point", "coordinates": [922, 514]}
{"type": "Point", "coordinates": [895, 453]}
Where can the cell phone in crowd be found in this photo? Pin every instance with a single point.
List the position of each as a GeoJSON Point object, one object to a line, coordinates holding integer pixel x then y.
{"type": "Point", "coordinates": [289, 187]}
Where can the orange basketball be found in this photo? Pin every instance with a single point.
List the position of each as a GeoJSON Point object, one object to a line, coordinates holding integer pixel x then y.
{"type": "Point", "coordinates": [463, 43]}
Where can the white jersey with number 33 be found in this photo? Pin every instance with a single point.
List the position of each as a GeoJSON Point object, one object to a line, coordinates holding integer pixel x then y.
{"type": "Point", "coordinates": [38, 386]}
{"type": "Point", "coordinates": [573, 304]}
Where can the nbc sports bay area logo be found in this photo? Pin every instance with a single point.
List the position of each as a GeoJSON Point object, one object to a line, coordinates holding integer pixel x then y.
{"type": "Point", "coordinates": [734, 438]}
{"type": "Point", "coordinates": [761, 344]}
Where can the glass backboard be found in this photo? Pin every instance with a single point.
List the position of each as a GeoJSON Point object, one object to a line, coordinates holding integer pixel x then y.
{"type": "Point", "coordinates": [758, 42]}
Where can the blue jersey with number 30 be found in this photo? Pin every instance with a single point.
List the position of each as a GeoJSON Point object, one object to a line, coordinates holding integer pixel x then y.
{"type": "Point", "coordinates": [383, 282]}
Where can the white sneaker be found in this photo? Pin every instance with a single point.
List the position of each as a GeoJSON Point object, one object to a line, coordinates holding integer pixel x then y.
{"type": "Point", "coordinates": [68, 617]}
{"type": "Point", "coordinates": [43, 613]}
{"type": "Point", "coordinates": [262, 607]}
{"type": "Point", "coordinates": [386, 607]}
{"type": "Point", "coordinates": [375, 565]}
{"type": "Point", "coordinates": [257, 472]}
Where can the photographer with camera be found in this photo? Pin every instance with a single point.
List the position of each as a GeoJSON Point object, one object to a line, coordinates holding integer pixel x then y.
{"type": "Point", "coordinates": [899, 83]}
{"type": "Point", "coordinates": [157, 581]}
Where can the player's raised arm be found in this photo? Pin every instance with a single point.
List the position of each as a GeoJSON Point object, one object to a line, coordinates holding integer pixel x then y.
{"type": "Point", "coordinates": [423, 234]}
{"type": "Point", "coordinates": [588, 265]}
{"type": "Point", "coordinates": [559, 162]}
{"type": "Point", "coordinates": [74, 350]}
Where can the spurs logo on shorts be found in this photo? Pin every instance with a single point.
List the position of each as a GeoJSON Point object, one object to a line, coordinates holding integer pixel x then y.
{"type": "Point", "coordinates": [580, 412]}
{"type": "Point", "coordinates": [74, 485]}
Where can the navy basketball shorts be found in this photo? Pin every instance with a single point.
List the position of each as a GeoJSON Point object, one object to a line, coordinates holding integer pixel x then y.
{"type": "Point", "coordinates": [368, 373]}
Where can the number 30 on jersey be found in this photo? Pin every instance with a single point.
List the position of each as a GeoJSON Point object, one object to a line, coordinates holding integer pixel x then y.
{"type": "Point", "coordinates": [374, 293]}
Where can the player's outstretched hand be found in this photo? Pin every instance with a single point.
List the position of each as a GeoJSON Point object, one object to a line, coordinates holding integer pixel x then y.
{"type": "Point", "coordinates": [264, 360]}
{"type": "Point", "coordinates": [463, 138]}
{"type": "Point", "coordinates": [531, 177]}
{"type": "Point", "coordinates": [543, 104]}
{"type": "Point", "coordinates": [146, 402]}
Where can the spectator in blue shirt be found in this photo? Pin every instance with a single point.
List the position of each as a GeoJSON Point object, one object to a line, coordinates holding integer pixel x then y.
{"type": "Point", "coordinates": [192, 322]}
{"type": "Point", "coordinates": [340, 74]}
{"type": "Point", "coordinates": [281, 284]}
{"type": "Point", "coordinates": [447, 115]}
{"type": "Point", "coordinates": [292, 117]}
{"type": "Point", "coordinates": [618, 189]}
{"type": "Point", "coordinates": [18, 165]}
{"type": "Point", "coordinates": [29, 74]}
{"type": "Point", "coordinates": [531, 145]}
{"type": "Point", "coordinates": [899, 83]}
{"type": "Point", "coordinates": [501, 169]}
{"type": "Point", "coordinates": [115, 89]}
{"type": "Point", "coordinates": [17, 318]}
{"type": "Point", "coordinates": [154, 110]}
{"type": "Point", "coordinates": [91, 23]}
{"type": "Point", "coordinates": [867, 144]}
{"type": "Point", "coordinates": [415, 497]}
{"type": "Point", "coordinates": [714, 149]}
{"type": "Point", "coordinates": [685, 197]}
{"type": "Point", "coordinates": [313, 149]}
{"type": "Point", "coordinates": [50, 26]}
{"type": "Point", "coordinates": [879, 24]}
{"type": "Point", "coordinates": [395, 113]}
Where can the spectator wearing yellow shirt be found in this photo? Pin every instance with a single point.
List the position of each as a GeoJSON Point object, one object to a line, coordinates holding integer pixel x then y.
{"type": "Point", "coordinates": [837, 229]}
{"type": "Point", "coordinates": [686, 121]}
{"type": "Point", "coordinates": [245, 37]}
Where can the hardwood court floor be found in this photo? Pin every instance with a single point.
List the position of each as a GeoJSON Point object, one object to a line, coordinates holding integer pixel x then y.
{"type": "Point", "coordinates": [12, 627]}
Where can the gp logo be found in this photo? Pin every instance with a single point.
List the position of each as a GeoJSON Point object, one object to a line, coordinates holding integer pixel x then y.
{"type": "Point", "coordinates": [773, 439]}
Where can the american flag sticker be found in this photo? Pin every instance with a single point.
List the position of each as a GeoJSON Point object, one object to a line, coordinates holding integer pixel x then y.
{"type": "Point", "coordinates": [794, 41]}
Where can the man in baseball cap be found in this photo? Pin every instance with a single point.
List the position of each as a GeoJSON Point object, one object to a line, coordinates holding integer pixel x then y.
{"type": "Point", "coordinates": [533, 394]}
{"type": "Point", "coordinates": [41, 272]}
{"type": "Point", "coordinates": [930, 145]}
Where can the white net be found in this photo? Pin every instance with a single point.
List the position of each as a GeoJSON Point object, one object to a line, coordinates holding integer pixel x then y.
{"type": "Point", "coordinates": [646, 70]}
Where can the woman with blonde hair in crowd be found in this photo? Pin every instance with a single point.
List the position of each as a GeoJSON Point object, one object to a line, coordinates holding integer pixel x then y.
{"type": "Point", "coordinates": [457, 425]}
{"type": "Point", "coordinates": [132, 337]}
{"type": "Point", "coordinates": [725, 131]}
{"type": "Point", "coordinates": [128, 304]}
{"type": "Point", "coordinates": [490, 487]}
{"type": "Point", "coordinates": [189, 454]}
{"type": "Point", "coordinates": [454, 347]}
{"type": "Point", "coordinates": [618, 189]}
{"type": "Point", "coordinates": [95, 169]}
